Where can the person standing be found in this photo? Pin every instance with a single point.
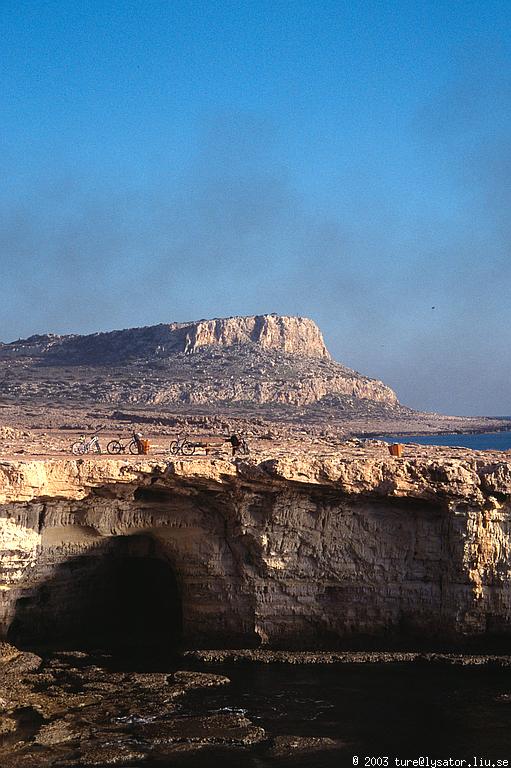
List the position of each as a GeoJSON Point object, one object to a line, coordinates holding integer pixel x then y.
{"type": "Point", "coordinates": [235, 443]}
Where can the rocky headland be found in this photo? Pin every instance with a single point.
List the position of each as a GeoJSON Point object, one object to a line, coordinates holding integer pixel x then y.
{"type": "Point", "coordinates": [264, 360]}
{"type": "Point", "coordinates": [259, 375]}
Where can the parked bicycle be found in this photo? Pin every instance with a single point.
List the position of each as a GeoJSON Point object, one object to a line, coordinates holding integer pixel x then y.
{"type": "Point", "coordinates": [133, 445]}
{"type": "Point", "coordinates": [182, 446]}
{"type": "Point", "coordinates": [87, 444]}
{"type": "Point", "coordinates": [243, 448]}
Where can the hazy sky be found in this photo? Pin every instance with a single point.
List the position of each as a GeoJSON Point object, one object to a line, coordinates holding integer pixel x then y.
{"type": "Point", "coordinates": [347, 161]}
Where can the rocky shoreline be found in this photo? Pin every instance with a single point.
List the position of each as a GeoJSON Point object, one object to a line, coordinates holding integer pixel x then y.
{"type": "Point", "coordinates": [72, 709]}
{"type": "Point", "coordinates": [285, 551]}
{"type": "Point", "coordinates": [262, 656]}
{"type": "Point", "coordinates": [68, 709]}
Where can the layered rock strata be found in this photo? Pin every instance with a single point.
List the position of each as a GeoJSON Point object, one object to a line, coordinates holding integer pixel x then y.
{"type": "Point", "coordinates": [287, 553]}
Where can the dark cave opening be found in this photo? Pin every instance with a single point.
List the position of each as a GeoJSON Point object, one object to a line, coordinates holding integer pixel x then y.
{"type": "Point", "coordinates": [120, 597]}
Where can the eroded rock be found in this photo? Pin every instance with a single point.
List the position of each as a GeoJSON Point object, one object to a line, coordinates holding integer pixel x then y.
{"type": "Point", "coordinates": [289, 746]}
{"type": "Point", "coordinates": [53, 720]}
{"type": "Point", "coordinates": [291, 552]}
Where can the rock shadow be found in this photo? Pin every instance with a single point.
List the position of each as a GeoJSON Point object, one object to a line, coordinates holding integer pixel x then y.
{"type": "Point", "coordinates": [122, 595]}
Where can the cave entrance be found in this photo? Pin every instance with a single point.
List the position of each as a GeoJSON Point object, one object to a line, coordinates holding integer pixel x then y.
{"type": "Point", "coordinates": [122, 596]}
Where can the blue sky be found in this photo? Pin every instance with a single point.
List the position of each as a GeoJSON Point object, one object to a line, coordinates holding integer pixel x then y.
{"type": "Point", "coordinates": [348, 161]}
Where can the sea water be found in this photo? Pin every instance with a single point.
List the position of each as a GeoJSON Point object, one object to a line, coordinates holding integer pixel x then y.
{"type": "Point", "coordinates": [485, 441]}
{"type": "Point", "coordinates": [395, 710]}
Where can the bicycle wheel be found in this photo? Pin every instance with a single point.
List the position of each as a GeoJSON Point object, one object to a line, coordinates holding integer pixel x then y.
{"type": "Point", "coordinates": [78, 448]}
{"type": "Point", "coordinates": [174, 447]}
{"type": "Point", "coordinates": [115, 446]}
{"type": "Point", "coordinates": [134, 447]}
{"type": "Point", "coordinates": [187, 448]}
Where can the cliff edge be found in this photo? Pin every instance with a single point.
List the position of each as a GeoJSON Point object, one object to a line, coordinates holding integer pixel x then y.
{"type": "Point", "coordinates": [290, 335]}
{"type": "Point", "coordinates": [287, 553]}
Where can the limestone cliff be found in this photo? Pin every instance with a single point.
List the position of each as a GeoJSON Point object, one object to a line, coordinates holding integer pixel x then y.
{"type": "Point", "coordinates": [291, 335]}
{"type": "Point", "coordinates": [286, 553]}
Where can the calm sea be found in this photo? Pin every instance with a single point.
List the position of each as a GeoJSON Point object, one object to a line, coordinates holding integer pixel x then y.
{"type": "Point", "coordinates": [369, 711]}
{"type": "Point", "coordinates": [486, 441]}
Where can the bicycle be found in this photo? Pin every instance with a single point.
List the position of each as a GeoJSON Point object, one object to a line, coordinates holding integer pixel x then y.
{"type": "Point", "coordinates": [87, 444]}
{"type": "Point", "coordinates": [182, 446]}
{"type": "Point", "coordinates": [133, 445]}
{"type": "Point", "coordinates": [243, 448]}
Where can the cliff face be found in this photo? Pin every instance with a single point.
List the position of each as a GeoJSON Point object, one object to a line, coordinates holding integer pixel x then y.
{"type": "Point", "coordinates": [288, 553]}
{"type": "Point", "coordinates": [292, 335]}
